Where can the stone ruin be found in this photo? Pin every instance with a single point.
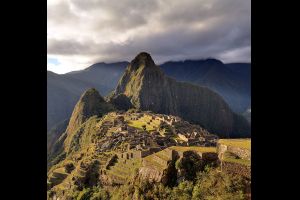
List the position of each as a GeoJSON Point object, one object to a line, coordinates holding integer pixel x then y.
{"type": "Point", "coordinates": [137, 154]}
{"type": "Point", "coordinates": [163, 158]}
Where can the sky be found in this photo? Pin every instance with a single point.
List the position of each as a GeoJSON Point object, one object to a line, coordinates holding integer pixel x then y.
{"type": "Point", "coordinates": [83, 32]}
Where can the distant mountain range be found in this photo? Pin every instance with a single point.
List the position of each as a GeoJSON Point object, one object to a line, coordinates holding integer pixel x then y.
{"type": "Point", "coordinates": [231, 81]}
{"type": "Point", "coordinates": [63, 91]}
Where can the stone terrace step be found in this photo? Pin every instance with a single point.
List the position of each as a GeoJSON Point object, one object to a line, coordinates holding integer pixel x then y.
{"type": "Point", "coordinates": [153, 163]}
{"type": "Point", "coordinates": [122, 166]}
{"type": "Point", "coordinates": [118, 179]}
{"type": "Point", "coordinates": [161, 161]}
{"type": "Point", "coordinates": [119, 171]}
{"type": "Point", "coordinates": [164, 155]}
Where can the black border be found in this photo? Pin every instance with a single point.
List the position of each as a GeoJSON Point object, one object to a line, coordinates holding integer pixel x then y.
{"type": "Point", "coordinates": [24, 90]}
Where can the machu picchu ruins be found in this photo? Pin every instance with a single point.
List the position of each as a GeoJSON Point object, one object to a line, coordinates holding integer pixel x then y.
{"type": "Point", "coordinates": [142, 145]}
{"type": "Point", "coordinates": [143, 131]}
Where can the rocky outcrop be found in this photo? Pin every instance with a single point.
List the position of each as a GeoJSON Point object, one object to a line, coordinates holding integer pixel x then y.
{"type": "Point", "coordinates": [147, 87]}
{"type": "Point", "coordinates": [91, 103]}
{"type": "Point", "coordinates": [242, 153]}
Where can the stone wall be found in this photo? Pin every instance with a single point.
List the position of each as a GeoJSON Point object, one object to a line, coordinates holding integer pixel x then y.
{"type": "Point", "coordinates": [221, 149]}
{"type": "Point", "coordinates": [134, 154]}
{"type": "Point", "coordinates": [168, 153]}
{"type": "Point", "coordinates": [111, 161]}
{"type": "Point", "coordinates": [150, 174]}
{"type": "Point", "coordinates": [163, 175]}
{"type": "Point", "coordinates": [161, 161]}
{"type": "Point", "coordinates": [240, 152]}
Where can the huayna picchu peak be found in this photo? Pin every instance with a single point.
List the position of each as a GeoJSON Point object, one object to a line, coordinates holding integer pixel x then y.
{"type": "Point", "coordinates": [143, 59]}
{"type": "Point", "coordinates": [148, 88]}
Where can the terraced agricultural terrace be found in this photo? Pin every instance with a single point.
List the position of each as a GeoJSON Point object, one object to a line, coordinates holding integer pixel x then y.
{"type": "Point", "coordinates": [235, 151]}
{"type": "Point", "coordinates": [122, 171]}
{"type": "Point", "coordinates": [241, 143]}
{"type": "Point", "coordinates": [235, 156]}
{"type": "Point", "coordinates": [150, 124]}
{"type": "Point", "coordinates": [121, 146]}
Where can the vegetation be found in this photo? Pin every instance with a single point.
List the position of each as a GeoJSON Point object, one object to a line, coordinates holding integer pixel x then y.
{"type": "Point", "coordinates": [82, 136]}
{"type": "Point", "coordinates": [125, 171]}
{"type": "Point", "coordinates": [189, 165]}
{"type": "Point", "coordinates": [238, 161]}
{"type": "Point", "coordinates": [207, 185]}
{"type": "Point", "coordinates": [69, 167]}
{"type": "Point", "coordinates": [100, 194]}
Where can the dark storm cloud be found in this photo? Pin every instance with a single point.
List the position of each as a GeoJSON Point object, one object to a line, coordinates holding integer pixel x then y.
{"type": "Point", "coordinates": [169, 30]}
{"type": "Point", "coordinates": [120, 15]}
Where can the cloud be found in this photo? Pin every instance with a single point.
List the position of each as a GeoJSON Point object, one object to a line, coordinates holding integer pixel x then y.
{"type": "Point", "coordinates": [107, 30]}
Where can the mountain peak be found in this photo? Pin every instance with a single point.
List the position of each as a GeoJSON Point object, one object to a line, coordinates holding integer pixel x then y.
{"type": "Point", "coordinates": [143, 59]}
{"type": "Point", "coordinates": [144, 55]}
{"type": "Point", "coordinates": [90, 103]}
{"type": "Point", "coordinates": [213, 61]}
{"type": "Point", "coordinates": [89, 94]}
{"type": "Point", "coordinates": [148, 88]}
